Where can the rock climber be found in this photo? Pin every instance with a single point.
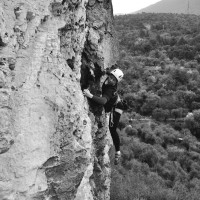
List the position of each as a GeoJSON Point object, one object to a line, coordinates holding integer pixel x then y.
{"type": "Point", "coordinates": [112, 104]}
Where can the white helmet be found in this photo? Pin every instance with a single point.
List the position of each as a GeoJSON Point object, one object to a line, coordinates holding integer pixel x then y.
{"type": "Point", "coordinates": [118, 74]}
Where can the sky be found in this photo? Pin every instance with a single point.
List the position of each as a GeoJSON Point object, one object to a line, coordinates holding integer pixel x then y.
{"type": "Point", "coordinates": [130, 6]}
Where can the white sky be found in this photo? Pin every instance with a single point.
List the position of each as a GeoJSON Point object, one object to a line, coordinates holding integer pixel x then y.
{"type": "Point", "coordinates": [130, 6]}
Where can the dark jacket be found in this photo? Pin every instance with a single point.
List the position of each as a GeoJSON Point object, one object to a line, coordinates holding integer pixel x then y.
{"type": "Point", "coordinates": [110, 93]}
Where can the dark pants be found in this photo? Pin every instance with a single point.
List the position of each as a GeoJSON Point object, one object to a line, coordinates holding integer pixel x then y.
{"type": "Point", "coordinates": [113, 123]}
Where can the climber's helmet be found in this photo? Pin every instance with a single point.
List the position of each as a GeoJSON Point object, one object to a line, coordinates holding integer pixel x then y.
{"type": "Point", "coordinates": [118, 74]}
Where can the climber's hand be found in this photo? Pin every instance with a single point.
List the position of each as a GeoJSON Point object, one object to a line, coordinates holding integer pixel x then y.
{"type": "Point", "coordinates": [87, 93]}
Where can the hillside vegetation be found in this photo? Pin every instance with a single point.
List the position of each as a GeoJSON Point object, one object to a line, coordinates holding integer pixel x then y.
{"type": "Point", "coordinates": [159, 54]}
{"type": "Point", "coordinates": [174, 6]}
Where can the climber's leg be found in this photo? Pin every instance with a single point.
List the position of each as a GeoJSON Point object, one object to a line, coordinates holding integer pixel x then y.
{"type": "Point", "coordinates": [113, 123]}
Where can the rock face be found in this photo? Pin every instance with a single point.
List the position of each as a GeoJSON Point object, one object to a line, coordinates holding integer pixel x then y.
{"type": "Point", "coordinates": [53, 141]}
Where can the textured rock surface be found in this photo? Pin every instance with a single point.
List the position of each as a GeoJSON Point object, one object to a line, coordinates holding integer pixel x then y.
{"type": "Point", "coordinates": [53, 144]}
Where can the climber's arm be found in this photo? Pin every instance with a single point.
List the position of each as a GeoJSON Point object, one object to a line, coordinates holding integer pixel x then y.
{"type": "Point", "coordinates": [99, 100]}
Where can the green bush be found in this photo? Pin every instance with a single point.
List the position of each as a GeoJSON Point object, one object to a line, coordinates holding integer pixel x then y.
{"type": "Point", "coordinates": [149, 155]}
{"type": "Point", "coordinates": [174, 153]}
{"type": "Point", "coordinates": [136, 147]}
{"type": "Point", "coordinates": [150, 138]}
{"type": "Point", "coordinates": [131, 131]}
{"type": "Point", "coordinates": [124, 121]}
{"type": "Point", "coordinates": [125, 140]}
{"type": "Point", "coordinates": [126, 154]}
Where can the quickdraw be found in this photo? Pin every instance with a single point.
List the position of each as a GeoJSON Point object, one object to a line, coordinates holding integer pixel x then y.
{"type": "Point", "coordinates": [111, 117]}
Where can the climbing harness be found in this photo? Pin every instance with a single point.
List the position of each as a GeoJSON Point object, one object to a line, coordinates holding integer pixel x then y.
{"type": "Point", "coordinates": [118, 110]}
{"type": "Point", "coordinates": [114, 109]}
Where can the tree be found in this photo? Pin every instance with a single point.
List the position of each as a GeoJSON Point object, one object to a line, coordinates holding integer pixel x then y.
{"type": "Point", "coordinates": [160, 115]}
{"type": "Point", "coordinates": [146, 47]}
{"type": "Point", "coordinates": [173, 41]}
{"type": "Point", "coordinates": [162, 92]}
{"type": "Point", "coordinates": [181, 41]}
{"type": "Point", "coordinates": [150, 104]}
{"type": "Point", "coordinates": [130, 98]}
{"type": "Point", "coordinates": [130, 131]}
{"type": "Point", "coordinates": [177, 113]}
{"type": "Point", "coordinates": [195, 105]}
{"type": "Point", "coordinates": [180, 75]}
{"type": "Point", "coordinates": [149, 155]}
{"type": "Point", "coordinates": [189, 97]}
{"type": "Point", "coordinates": [192, 122]}
{"type": "Point", "coordinates": [195, 40]}
{"type": "Point", "coordinates": [169, 102]}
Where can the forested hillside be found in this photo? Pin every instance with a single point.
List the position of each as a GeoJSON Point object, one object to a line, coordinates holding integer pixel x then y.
{"type": "Point", "coordinates": [174, 6]}
{"type": "Point", "coordinates": [159, 54]}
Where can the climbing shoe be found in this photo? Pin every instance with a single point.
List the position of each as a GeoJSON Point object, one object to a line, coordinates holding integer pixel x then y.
{"type": "Point", "coordinates": [117, 157]}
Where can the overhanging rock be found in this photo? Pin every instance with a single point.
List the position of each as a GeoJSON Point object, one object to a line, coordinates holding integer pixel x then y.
{"type": "Point", "coordinates": [53, 144]}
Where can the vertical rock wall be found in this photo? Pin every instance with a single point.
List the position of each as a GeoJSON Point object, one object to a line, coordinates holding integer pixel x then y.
{"type": "Point", "coordinates": [53, 144]}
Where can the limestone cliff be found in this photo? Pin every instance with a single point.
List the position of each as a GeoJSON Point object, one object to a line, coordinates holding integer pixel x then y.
{"type": "Point", "coordinates": [53, 144]}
